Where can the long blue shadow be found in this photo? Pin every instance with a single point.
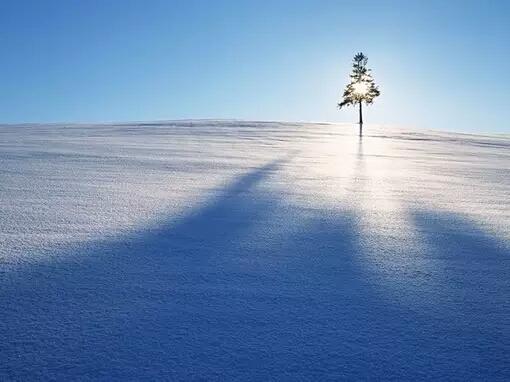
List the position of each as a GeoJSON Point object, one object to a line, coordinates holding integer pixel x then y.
{"type": "Point", "coordinates": [473, 289]}
{"type": "Point", "coordinates": [245, 288]}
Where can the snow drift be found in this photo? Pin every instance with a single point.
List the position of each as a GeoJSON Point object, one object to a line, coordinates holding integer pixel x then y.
{"type": "Point", "coordinates": [252, 251]}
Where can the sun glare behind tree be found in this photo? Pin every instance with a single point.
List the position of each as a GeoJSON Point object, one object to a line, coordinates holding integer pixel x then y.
{"type": "Point", "coordinates": [362, 87]}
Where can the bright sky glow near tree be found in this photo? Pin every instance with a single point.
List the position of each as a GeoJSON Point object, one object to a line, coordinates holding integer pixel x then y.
{"type": "Point", "coordinates": [439, 64]}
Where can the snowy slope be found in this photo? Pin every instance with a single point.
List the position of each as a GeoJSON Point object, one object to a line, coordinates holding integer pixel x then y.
{"type": "Point", "coordinates": [228, 250]}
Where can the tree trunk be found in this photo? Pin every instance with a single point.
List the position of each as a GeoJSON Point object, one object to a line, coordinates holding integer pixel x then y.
{"type": "Point", "coordinates": [360, 119]}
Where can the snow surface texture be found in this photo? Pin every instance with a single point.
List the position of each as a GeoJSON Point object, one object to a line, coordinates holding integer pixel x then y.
{"type": "Point", "coordinates": [227, 250]}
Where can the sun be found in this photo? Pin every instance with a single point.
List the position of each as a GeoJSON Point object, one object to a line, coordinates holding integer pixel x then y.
{"type": "Point", "coordinates": [360, 88]}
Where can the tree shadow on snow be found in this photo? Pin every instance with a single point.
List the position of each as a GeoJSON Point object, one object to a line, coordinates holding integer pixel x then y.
{"type": "Point", "coordinates": [246, 288]}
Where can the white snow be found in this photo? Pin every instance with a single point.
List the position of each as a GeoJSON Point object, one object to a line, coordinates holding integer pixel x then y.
{"type": "Point", "coordinates": [232, 250]}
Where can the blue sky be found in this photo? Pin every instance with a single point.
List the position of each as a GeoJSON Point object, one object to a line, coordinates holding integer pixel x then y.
{"type": "Point", "coordinates": [439, 64]}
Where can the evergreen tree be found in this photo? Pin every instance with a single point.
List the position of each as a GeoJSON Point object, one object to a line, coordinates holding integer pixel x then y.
{"type": "Point", "coordinates": [362, 87]}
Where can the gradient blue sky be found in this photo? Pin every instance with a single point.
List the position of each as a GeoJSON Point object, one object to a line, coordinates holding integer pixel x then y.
{"type": "Point", "coordinates": [439, 64]}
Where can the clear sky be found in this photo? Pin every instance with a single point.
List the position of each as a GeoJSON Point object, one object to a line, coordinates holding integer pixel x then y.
{"type": "Point", "coordinates": [439, 64]}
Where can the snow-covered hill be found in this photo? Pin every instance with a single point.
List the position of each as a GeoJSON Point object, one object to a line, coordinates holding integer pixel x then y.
{"type": "Point", "coordinates": [232, 250]}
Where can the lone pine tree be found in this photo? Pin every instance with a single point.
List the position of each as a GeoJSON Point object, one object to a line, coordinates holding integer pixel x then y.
{"type": "Point", "coordinates": [362, 87]}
